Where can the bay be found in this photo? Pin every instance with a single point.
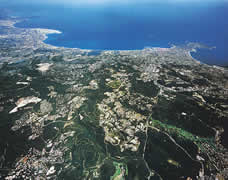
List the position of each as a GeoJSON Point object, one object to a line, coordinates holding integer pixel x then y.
{"type": "Point", "coordinates": [132, 26]}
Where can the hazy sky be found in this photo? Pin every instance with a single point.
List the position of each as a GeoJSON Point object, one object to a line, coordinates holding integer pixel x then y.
{"type": "Point", "coordinates": [119, 1]}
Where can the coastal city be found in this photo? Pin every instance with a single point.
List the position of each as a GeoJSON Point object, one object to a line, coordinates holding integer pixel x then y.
{"type": "Point", "coordinates": [69, 113]}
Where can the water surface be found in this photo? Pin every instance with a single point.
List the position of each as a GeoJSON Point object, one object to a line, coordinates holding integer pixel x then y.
{"type": "Point", "coordinates": [132, 26]}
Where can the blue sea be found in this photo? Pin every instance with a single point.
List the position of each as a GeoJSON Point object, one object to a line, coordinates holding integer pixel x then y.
{"type": "Point", "coordinates": [125, 26]}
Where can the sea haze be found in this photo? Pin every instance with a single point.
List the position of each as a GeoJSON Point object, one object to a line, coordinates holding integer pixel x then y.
{"type": "Point", "coordinates": [132, 26]}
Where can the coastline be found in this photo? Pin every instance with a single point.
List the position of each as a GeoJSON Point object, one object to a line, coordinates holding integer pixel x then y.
{"type": "Point", "coordinates": [43, 35]}
{"type": "Point", "coordinates": [46, 31]}
{"type": "Point", "coordinates": [196, 60]}
{"type": "Point", "coordinates": [42, 31]}
{"type": "Point", "coordinates": [59, 102]}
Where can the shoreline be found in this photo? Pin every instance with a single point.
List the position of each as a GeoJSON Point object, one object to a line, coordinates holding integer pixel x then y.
{"type": "Point", "coordinates": [46, 32]}
{"type": "Point", "coordinates": [42, 31]}
{"type": "Point", "coordinates": [198, 61]}
{"type": "Point", "coordinates": [188, 48]}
